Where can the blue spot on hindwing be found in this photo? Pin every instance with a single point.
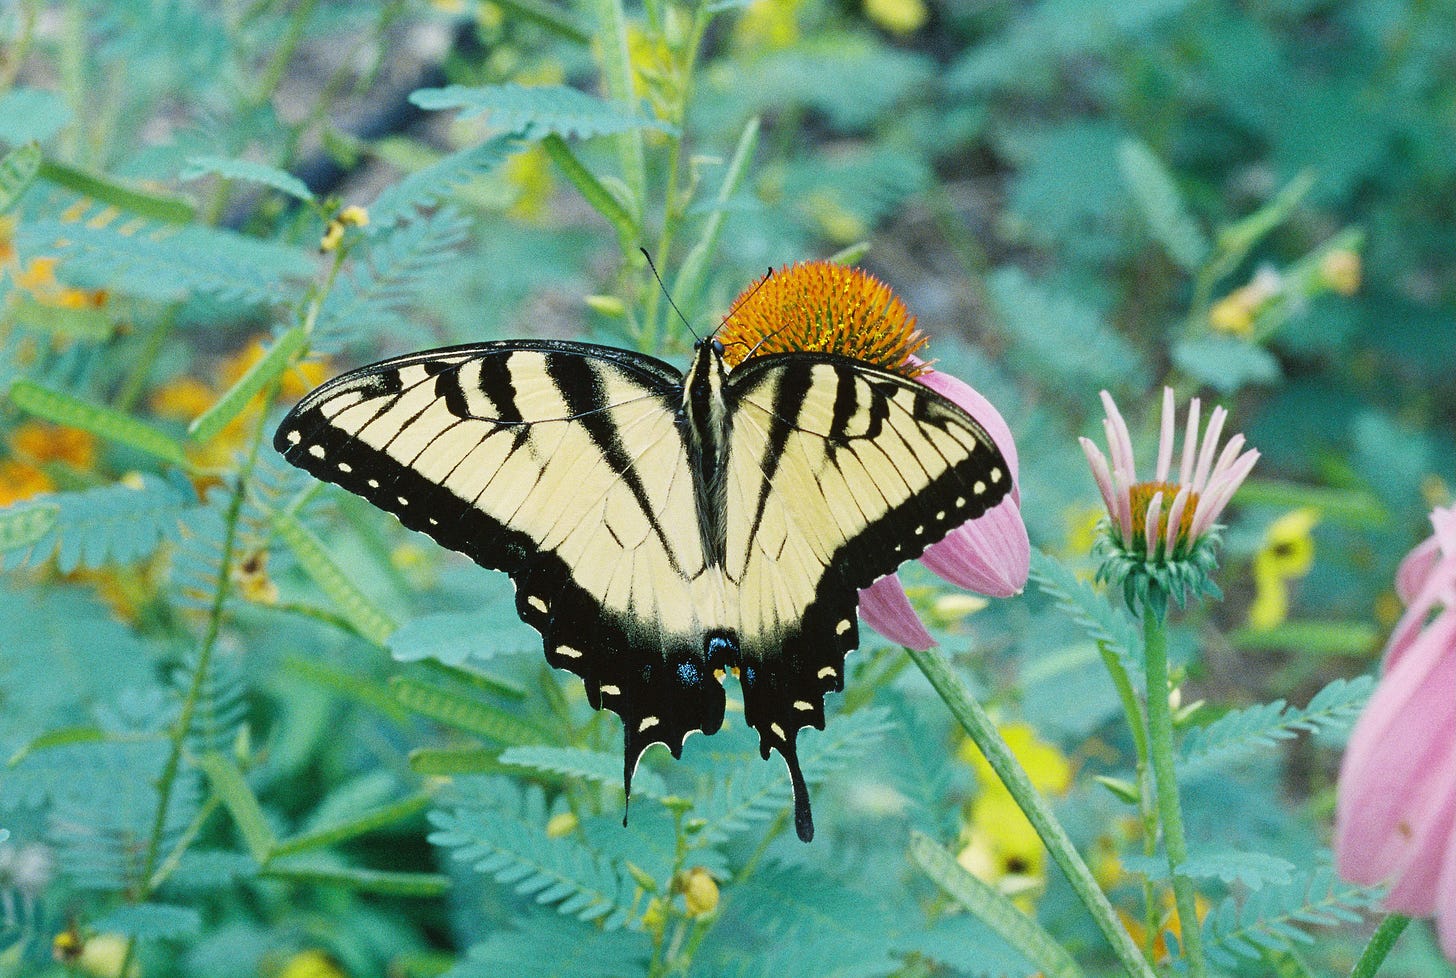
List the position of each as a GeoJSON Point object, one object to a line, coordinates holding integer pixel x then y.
{"type": "Point", "coordinates": [689, 674]}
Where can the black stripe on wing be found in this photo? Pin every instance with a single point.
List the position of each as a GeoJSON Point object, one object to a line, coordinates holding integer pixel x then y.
{"type": "Point", "coordinates": [661, 688]}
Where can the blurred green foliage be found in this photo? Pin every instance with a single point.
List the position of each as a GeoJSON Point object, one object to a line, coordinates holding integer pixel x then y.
{"type": "Point", "coordinates": [252, 727]}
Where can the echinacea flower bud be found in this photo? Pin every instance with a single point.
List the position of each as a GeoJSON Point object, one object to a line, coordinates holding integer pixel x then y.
{"type": "Point", "coordinates": [1161, 535]}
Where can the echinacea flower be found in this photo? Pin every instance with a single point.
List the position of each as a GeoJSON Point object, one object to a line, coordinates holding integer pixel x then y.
{"type": "Point", "coordinates": [836, 309]}
{"type": "Point", "coordinates": [1161, 535]}
{"type": "Point", "coordinates": [1395, 819]}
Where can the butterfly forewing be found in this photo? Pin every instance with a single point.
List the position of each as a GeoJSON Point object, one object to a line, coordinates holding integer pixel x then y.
{"type": "Point", "coordinates": [563, 465]}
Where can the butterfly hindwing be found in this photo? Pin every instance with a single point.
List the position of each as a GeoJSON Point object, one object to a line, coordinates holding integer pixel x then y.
{"type": "Point", "coordinates": [839, 473]}
{"type": "Point", "coordinates": [563, 465]}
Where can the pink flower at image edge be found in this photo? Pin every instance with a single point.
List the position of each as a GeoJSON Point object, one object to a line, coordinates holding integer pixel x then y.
{"type": "Point", "coordinates": [990, 555]}
{"type": "Point", "coordinates": [1395, 821]}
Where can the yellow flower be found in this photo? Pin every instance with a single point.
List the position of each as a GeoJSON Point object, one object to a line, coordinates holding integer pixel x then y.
{"type": "Point", "coordinates": [20, 481]}
{"type": "Point", "coordinates": [1236, 312]}
{"type": "Point", "coordinates": [1047, 767]}
{"type": "Point", "coordinates": [768, 25]}
{"type": "Point", "coordinates": [1001, 847]}
{"type": "Point", "coordinates": [529, 172]}
{"type": "Point", "coordinates": [7, 239]}
{"type": "Point", "coordinates": [1168, 922]}
{"type": "Point", "coordinates": [700, 892]}
{"type": "Point", "coordinates": [42, 443]}
{"type": "Point", "coordinates": [252, 580]}
{"type": "Point", "coordinates": [38, 275]}
{"type": "Point", "coordinates": [1340, 270]}
{"type": "Point", "coordinates": [182, 398]}
{"type": "Point", "coordinates": [1287, 553]}
{"type": "Point", "coordinates": [312, 963]}
{"type": "Point", "coordinates": [1082, 524]}
{"type": "Point", "coordinates": [897, 16]}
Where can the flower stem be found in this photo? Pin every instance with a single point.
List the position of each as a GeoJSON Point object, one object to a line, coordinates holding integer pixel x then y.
{"type": "Point", "coordinates": [1380, 945]}
{"type": "Point", "coordinates": [983, 732]}
{"type": "Point", "coordinates": [1170, 811]}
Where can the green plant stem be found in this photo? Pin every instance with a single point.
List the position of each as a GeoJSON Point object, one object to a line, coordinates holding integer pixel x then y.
{"type": "Point", "coordinates": [168, 780]}
{"type": "Point", "coordinates": [957, 696]}
{"type": "Point", "coordinates": [1380, 945]}
{"type": "Point", "coordinates": [1170, 810]}
{"type": "Point", "coordinates": [1147, 807]}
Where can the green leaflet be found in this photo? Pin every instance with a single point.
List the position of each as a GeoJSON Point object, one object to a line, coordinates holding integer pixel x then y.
{"type": "Point", "coordinates": [1239, 732]}
{"type": "Point", "coordinates": [230, 786]}
{"type": "Point", "coordinates": [52, 405]}
{"type": "Point", "coordinates": [1162, 205]}
{"type": "Point", "coordinates": [578, 763]}
{"type": "Point", "coordinates": [362, 880]}
{"type": "Point", "coordinates": [368, 822]}
{"type": "Point", "coordinates": [168, 208]}
{"type": "Point", "coordinates": [1105, 623]}
{"type": "Point", "coordinates": [369, 621]}
{"type": "Point", "coordinates": [23, 524]}
{"type": "Point", "coordinates": [17, 173]}
{"type": "Point", "coordinates": [465, 712]}
{"type": "Point", "coordinates": [1275, 917]}
{"type": "Point", "coordinates": [264, 371]}
{"type": "Point", "coordinates": [591, 188]}
{"type": "Point", "coordinates": [93, 325]}
{"type": "Point", "coordinates": [1015, 927]}
{"type": "Point", "coordinates": [510, 843]}
{"type": "Point", "coordinates": [235, 169]}
{"type": "Point", "coordinates": [539, 109]}
{"type": "Point", "coordinates": [450, 761]}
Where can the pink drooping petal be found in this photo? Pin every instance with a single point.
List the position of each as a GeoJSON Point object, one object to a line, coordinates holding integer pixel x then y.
{"type": "Point", "coordinates": [1219, 494]}
{"type": "Point", "coordinates": [990, 555]}
{"type": "Point", "coordinates": [1175, 517]}
{"type": "Point", "coordinates": [1397, 787]}
{"type": "Point", "coordinates": [1190, 442]}
{"type": "Point", "coordinates": [1150, 529]}
{"type": "Point", "coordinates": [1446, 904]}
{"type": "Point", "coordinates": [976, 405]}
{"type": "Point", "coordinates": [1444, 520]}
{"type": "Point", "coordinates": [1226, 458]}
{"type": "Point", "coordinates": [1119, 442]}
{"type": "Point", "coordinates": [1416, 569]}
{"type": "Point", "coordinates": [1433, 592]}
{"type": "Point", "coordinates": [1165, 437]}
{"type": "Point", "coordinates": [1210, 445]}
{"type": "Point", "coordinates": [885, 608]}
{"type": "Point", "coordinates": [1100, 473]}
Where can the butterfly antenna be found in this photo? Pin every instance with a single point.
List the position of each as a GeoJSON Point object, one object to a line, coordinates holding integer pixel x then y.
{"type": "Point", "coordinates": [740, 304]}
{"type": "Point", "coordinates": [668, 295]}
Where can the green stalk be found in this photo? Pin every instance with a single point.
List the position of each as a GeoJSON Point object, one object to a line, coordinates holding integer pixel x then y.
{"type": "Point", "coordinates": [1147, 808]}
{"type": "Point", "coordinates": [1170, 810]}
{"type": "Point", "coordinates": [168, 781]}
{"type": "Point", "coordinates": [983, 732]}
{"type": "Point", "coordinates": [1380, 945]}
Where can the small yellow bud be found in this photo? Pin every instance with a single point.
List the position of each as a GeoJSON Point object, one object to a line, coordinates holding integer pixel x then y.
{"type": "Point", "coordinates": [700, 892]}
{"type": "Point", "coordinates": [1232, 315]}
{"type": "Point", "coordinates": [1340, 270]}
{"type": "Point", "coordinates": [655, 915]}
{"type": "Point", "coordinates": [897, 16]}
{"type": "Point", "coordinates": [332, 236]}
{"type": "Point", "coordinates": [958, 605]}
{"type": "Point", "coordinates": [312, 963]}
{"type": "Point", "coordinates": [560, 824]}
{"type": "Point", "coordinates": [67, 947]}
{"type": "Point", "coordinates": [355, 215]}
